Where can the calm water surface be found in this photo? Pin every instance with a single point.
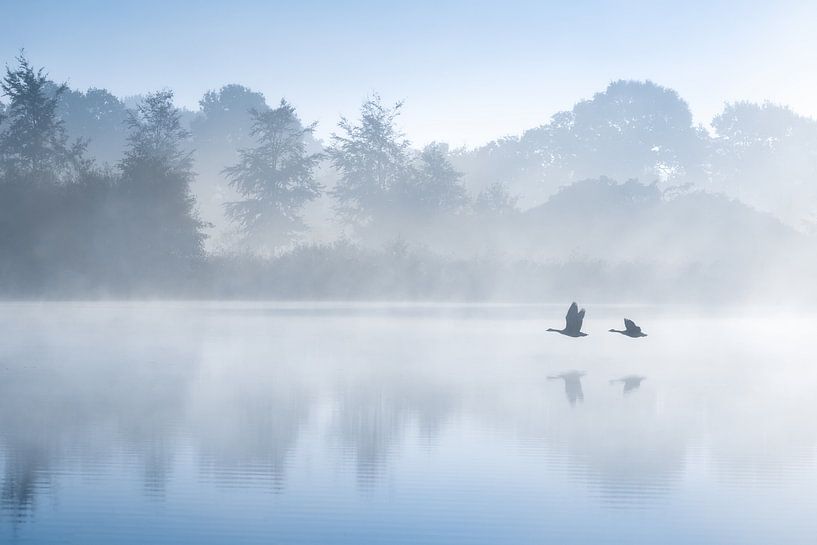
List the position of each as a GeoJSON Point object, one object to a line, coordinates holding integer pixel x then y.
{"type": "Point", "coordinates": [322, 424]}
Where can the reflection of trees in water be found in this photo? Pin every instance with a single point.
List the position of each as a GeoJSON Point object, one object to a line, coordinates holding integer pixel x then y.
{"type": "Point", "coordinates": [625, 468]}
{"type": "Point", "coordinates": [90, 412]}
{"type": "Point", "coordinates": [249, 404]}
{"type": "Point", "coordinates": [245, 415]}
{"type": "Point", "coordinates": [629, 458]}
{"type": "Point", "coordinates": [27, 473]}
{"type": "Point", "coordinates": [69, 394]}
{"type": "Point", "coordinates": [631, 454]}
{"type": "Point", "coordinates": [157, 459]}
{"type": "Point", "coordinates": [621, 449]}
{"type": "Point", "coordinates": [26, 444]}
{"type": "Point", "coordinates": [374, 414]}
{"type": "Point", "coordinates": [764, 439]}
{"type": "Point", "coordinates": [246, 433]}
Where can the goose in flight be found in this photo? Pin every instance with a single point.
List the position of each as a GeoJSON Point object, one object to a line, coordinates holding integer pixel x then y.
{"type": "Point", "coordinates": [573, 385]}
{"type": "Point", "coordinates": [631, 382]}
{"type": "Point", "coordinates": [630, 329]}
{"type": "Point", "coordinates": [573, 322]}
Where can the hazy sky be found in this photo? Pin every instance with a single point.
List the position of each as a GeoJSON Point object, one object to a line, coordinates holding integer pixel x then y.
{"type": "Point", "coordinates": [468, 71]}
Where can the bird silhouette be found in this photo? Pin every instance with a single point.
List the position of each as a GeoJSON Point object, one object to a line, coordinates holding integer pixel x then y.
{"type": "Point", "coordinates": [630, 329]}
{"type": "Point", "coordinates": [631, 382]}
{"type": "Point", "coordinates": [573, 322]}
{"type": "Point", "coordinates": [573, 385]}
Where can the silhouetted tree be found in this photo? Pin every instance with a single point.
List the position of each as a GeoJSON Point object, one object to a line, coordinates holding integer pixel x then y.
{"type": "Point", "coordinates": [221, 127]}
{"type": "Point", "coordinates": [224, 121]}
{"type": "Point", "coordinates": [38, 167]}
{"type": "Point", "coordinates": [496, 201]}
{"type": "Point", "coordinates": [276, 179]}
{"type": "Point", "coordinates": [766, 156]}
{"type": "Point", "coordinates": [98, 118]}
{"type": "Point", "coordinates": [372, 160]}
{"type": "Point", "coordinates": [68, 225]}
{"type": "Point", "coordinates": [33, 143]}
{"type": "Point", "coordinates": [433, 187]}
{"type": "Point", "coordinates": [161, 227]}
{"type": "Point", "coordinates": [631, 130]}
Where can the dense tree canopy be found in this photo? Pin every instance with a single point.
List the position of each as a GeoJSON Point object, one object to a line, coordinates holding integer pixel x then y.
{"type": "Point", "coordinates": [157, 205]}
{"type": "Point", "coordinates": [631, 130]}
{"type": "Point", "coordinates": [33, 142]}
{"type": "Point", "coordinates": [224, 120]}
{"type": "Point", "coordinates": [766, 155]}
{"type": "Point", "coordinates": [94, 195]}
{"type": "Point", "coordinates": [384, 188]}
{"type": "Point", "coordinates": [98, 118]}
{"type": "Point", "coordinates": [496, 201]}
{"type": "Point", "coordinates": [433, 186]}
{"type": "Point", "coordinates": [372, 159]}
{"type": "Point", "coordinates": [275, 178]}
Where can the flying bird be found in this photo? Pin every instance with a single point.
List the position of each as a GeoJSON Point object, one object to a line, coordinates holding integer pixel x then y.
{"type": "Point", "coordinates": [631, 382]}
{"type": "Point", "coordinates": [630, 329]}
{"type": "Point", "coordinates": [573, 322]}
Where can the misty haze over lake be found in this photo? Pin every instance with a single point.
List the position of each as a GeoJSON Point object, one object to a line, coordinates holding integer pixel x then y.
{"type": "Point", "coordinates": [213, 423]}
{"type": "Point", "coordinates": [410, 272]}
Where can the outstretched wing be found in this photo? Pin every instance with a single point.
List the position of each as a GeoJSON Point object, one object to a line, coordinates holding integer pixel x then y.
{"type": "Point", "coordinates": [574, 318]}
{"type": "Point", "coordinates": [630, 326]}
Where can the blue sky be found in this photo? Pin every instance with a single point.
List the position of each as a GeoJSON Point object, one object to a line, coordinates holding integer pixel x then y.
{"type": "Point", "coordinates": [468, 71]}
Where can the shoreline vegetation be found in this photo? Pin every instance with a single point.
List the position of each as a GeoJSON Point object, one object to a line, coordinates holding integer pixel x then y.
{"type": "Point", "coordinates": [348, 273]}
{"type": "Point", "coordinates": [621, 199]}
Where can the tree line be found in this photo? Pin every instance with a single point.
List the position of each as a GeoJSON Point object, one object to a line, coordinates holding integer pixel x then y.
{"type": "Point", "coordinates": [136, 221]}
{"type": "Point", "coordinates": [65, 220]}
{"type": "Point", "coordinates": [97, 193]}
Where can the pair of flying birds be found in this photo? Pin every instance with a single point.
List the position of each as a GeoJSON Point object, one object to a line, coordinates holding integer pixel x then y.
{"type": "Point", "coordinates": [575, 317]}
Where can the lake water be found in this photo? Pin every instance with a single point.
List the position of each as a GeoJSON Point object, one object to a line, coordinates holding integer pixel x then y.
{"type": "Point", "coordinates": [328, 424]}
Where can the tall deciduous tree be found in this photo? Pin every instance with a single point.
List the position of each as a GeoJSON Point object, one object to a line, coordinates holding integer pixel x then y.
{"type": "Point", "coordinates": [38, 168]}
{"type": "Point", "coordinates": [97, 117]}
{"type": "Point", "coordinates": [496, 201]}
{"type": "Point", "coordinates": [275, 178]}
{"type": "Point", "coordinates": [372, 159]}
{"type": "Point", "coordinates": [434, 187]}
{"type": "Point", "coordinates": [224, 121]}
{"type": "Point", "coordinates": [33, 144]}
{"type": "Point", "coordinates": [766, 156]}
{"type": "Point", "coordinates": [160, 217]}
{"type": "Point", "coordinates": [221, 127]}
{"type": "Point", "coordinates": [632, 129]}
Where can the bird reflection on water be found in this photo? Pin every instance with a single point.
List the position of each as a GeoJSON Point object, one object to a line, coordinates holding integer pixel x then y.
{"type": "Point", "coordinates": [573, 385]}
{"type": "Point", "coordinates": [396, 412]}
{"type": "Point", "coordinates": [630, 382]}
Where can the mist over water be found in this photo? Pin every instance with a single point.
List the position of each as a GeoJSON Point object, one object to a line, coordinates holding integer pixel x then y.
{"type": "Point", "coordinates": [302, 273]}
{"type": "Point", "coordinates": [416, 423]}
